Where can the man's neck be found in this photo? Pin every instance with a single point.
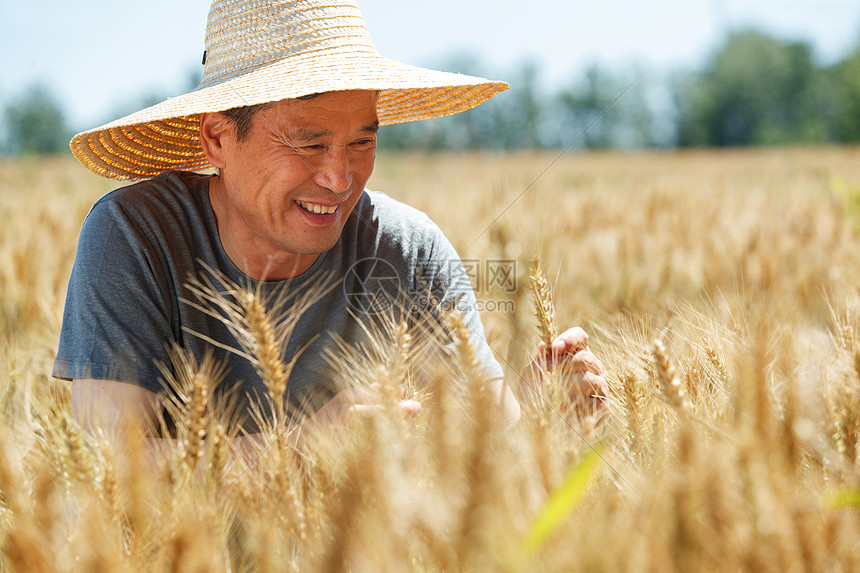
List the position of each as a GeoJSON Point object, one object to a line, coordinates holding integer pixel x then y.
{"type": "Point", "coordinates": [257, 260]}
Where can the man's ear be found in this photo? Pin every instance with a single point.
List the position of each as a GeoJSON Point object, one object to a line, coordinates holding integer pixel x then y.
{"type": "Point", "coordinates": [213, 130]}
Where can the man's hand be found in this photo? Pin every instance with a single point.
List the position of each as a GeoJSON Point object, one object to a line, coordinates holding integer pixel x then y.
{"type": "Point", "coordinates": [575, 369]}
{"type": "Point", "coordinates": [357, 401]}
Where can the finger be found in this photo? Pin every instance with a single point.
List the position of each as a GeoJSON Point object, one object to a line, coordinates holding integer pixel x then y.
{"type": "Point", "coordinates": [411, 407]}
{"type": "Point", "coordinates": [571, 340]}
{"type": "Point", "coordinates": [585, 384]}
{"type": "Point", "coordinates": [596, 384]}
{"type": "Point", "coordinates": [591, 383]}
{"type": "Point", "coordinates": [582, 361]}
{"type": "Point", "coordinates": [364, 409]}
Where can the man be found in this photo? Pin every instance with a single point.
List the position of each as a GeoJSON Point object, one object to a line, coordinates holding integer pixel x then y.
{"type": "Point", "coordinates": [287, 112]}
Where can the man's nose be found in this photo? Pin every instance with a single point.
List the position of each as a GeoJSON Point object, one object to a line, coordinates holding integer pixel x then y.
{"type": "Point", "coordinates": [333, 172]}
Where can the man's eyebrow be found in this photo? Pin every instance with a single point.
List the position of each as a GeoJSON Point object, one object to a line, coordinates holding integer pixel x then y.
{"type": "Point", "coordinates": [304, 134]}
{"type": "Point", "coordinates": [371, 127]}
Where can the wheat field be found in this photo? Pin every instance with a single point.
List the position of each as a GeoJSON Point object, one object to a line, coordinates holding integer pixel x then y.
{"type": "Point", "coordinates": [720, 290]}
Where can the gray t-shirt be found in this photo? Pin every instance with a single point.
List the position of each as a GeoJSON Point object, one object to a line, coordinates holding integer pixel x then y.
{"type": "Point", "coordinates": [141, 246]}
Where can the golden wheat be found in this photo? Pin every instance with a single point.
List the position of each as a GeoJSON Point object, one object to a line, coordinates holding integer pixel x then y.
{"type": "Point", "coordinates": [732, 444]}
{"type": "Point", "coordinates": [544, 309]}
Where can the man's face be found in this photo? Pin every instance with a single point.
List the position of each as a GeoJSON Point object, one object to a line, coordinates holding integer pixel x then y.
{"type": "Point", "coordinates": [286, 191]}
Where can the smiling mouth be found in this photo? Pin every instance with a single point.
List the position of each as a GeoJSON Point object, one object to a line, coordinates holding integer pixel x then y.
{"type": "Point", "coordinates": [317, 208]}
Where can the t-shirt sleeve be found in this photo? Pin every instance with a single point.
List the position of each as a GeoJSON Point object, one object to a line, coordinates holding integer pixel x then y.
{"type": "Point", "coordinates": [457, 294]}
{"type": "Point", "coordinates": [117, 318]}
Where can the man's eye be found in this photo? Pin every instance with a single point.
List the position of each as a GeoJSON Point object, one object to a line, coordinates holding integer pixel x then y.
{"type": "Point", "coordinates": [314, 147]}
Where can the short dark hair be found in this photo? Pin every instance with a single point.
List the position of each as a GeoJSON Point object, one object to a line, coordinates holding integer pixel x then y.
{"type": "Point", "coordinates": [243, 118]}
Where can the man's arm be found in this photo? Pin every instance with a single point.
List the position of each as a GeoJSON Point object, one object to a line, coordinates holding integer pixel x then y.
{"type": "Point", "coordinates": [509, 407]}
{"type": "Point", "coordinates": [109, 405]}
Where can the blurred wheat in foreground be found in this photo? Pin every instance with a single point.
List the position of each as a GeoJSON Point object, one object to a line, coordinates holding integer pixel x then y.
{"type": "Point", "coordinates": [719, 289]}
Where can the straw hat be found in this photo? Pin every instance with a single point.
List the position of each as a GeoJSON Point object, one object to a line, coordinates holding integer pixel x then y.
{"type": "Point", "coordinates": [260, 51]}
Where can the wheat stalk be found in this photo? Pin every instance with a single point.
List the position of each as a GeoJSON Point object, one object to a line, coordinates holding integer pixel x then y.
{"type": "Point", "coordinates": [475, 515]}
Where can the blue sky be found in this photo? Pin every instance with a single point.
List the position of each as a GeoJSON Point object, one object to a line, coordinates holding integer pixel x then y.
{"type": "Point", "coordinates": [99, 56]}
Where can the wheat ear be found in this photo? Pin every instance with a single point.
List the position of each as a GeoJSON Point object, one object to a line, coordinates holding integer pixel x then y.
{"type": "Point", "coordinates": [544, 309]}
{"type": "Point", "coordinates": [269, 365]}
{"type": "Point", "coordinates": [670, 383]}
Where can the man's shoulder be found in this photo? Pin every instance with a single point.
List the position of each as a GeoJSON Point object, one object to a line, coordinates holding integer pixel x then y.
{"type": "Point", "coordinates": [378, 208]}
{"type": "Point", "coordinates": [170, 209]}
{"type": "Point", "coordinates": [388, 227]}
{"type": "Point", "coordinates": [168, 192]}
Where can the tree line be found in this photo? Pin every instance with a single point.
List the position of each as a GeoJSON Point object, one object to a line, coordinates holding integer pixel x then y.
{"type": "Point", "coordinates": [754, 89]}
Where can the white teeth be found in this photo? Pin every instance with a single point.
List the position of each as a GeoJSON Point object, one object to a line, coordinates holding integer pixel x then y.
{"type": "Point", "coordinates": [316, 208]}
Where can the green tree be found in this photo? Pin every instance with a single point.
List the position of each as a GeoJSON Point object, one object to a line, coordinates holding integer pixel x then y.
{"type": "Point", "coordinates": [585, 110]}
{"type": "Point", "coordinates": [513, 119]}
{"type": "Point", "coordinates": [756, 90]}
{"type": "Point", "coordinates": [510, 120]}
{"type": "Point", "coordinates": [35, 123]}
{"type": "Point", "coordinates": [608, 109]}
{"type": "Point", "coordinates": [845, 77]}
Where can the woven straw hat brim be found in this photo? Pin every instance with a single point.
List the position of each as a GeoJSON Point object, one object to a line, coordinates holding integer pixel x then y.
{"type": "Point", "coordinates": [166, 136]}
